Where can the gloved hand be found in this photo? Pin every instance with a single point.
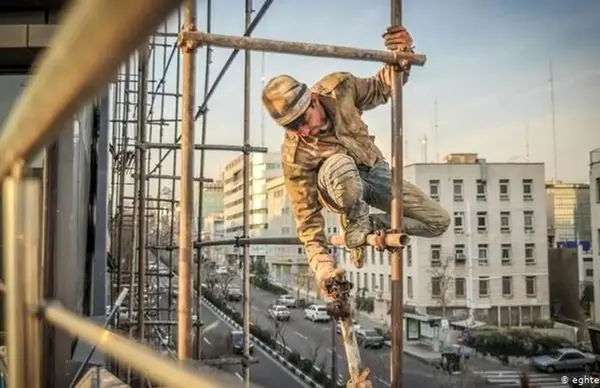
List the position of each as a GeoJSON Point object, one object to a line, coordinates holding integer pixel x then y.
{"type": "Point", "coordinates": [397, 38]}
{"type": "Point", "coordinates": [324, 272]}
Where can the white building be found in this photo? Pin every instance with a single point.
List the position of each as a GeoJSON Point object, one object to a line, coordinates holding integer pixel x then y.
{"type": "Point", "coordinates": [595, 221]}
{"type": "Point", "coordinates": [264, 167]}
{"type": "Point", "coordinates": [493, 259]}
{"type": "Point", "coordinates": [287, 263]}
{"type": "Point", "coordinates": [213, 229]}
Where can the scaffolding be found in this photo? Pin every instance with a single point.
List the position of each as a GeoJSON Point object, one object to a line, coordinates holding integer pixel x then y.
{"type": "Point", "coordinates": [132, 41]}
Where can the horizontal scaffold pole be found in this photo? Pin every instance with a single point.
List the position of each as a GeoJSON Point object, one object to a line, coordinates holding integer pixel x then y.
{"type": "Point", "coordinates": [302, 48]}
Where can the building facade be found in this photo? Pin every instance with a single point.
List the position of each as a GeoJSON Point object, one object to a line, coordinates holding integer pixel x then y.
{"type": "Point", "coordinates": [492, 262]}
{"type": "Point", "coordinates": [595, 226]}
{"type": "Point", "coordinates": [569, 222]}
{"type": "Point", "coordinates": [288, 264]}
{"type": "Point", "coordinates": [212, 198]}
{"type": "Point", "coordinates": [264, 167]}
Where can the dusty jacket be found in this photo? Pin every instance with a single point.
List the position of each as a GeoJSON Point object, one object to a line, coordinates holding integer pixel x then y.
{"type": "Point", "coordinates": [344, 97]}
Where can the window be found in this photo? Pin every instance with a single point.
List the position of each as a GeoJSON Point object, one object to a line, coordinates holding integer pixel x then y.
{"type": "Point", "coordinates": [459, 218]}
{"type": "Point", "coordinates": [482, 254]}
{"type": "Point", "coordinates": [436, 255]}
{"type": "Point", "coordinates": [528, 221]}
{"type": "Point", "coordinates": [358, 285]}
{"type": "Point", "coordinates": [380, 257]}
{"type": "Point", "coordinates": [390, 283]}
{"type": "Point", "coordinates": [409, 286]}
{"type": "Point", "coordinates": [436, 286]}
{"type": "Point", "coordinates": [589, 272]}
{"type": "Point", "coordinates": [373, 255]}
{"type": "Point", "coordinates": [381, 283]}
{"type": "Point", "coordinates": [459, 288]}
{"type": "Point", "coordinates": [527, 190]}
{"type": "Point", "coordinates": [529, 254]}
{"type": "Point", "coordinates": [507, 285]}
{"type": "Point", "coordinates": [481, 222]}
{"type": "Point", "coordinates": [408, 255]}
{"type": "Point", "coordinates": [505, 222]}
{"type": "Point", "coordinates": [481, 190]}
{"type": "Point", "coordinates": [531, 285]}
{"type": "Point", "coordinates": [505, 252]}
{"type": "Point", "coordinates": [351, 276]}
{"type": "Point", "coordinates": [434, 189]}
{"type": "Point", "coordinates": [484, 286]}
{"type": "Point", "coordinates": [457, 185]}
{"type": "Point", "coordinates": [374, 282]}
{"type": "Point", "coordinates": [504, 188]}
{"type": "Point", "coordinates": [366, 276]}
{"type": "Point", "coordinates": [597, 190]}
{"type": "Point", "coordinates": [459, 254]}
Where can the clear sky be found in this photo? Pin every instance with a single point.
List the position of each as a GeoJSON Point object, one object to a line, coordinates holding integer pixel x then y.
{"type": "Point", "coordinates": [488, 68]}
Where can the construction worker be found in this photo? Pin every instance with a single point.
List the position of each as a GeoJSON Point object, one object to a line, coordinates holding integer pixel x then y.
{"type": "Point", "coordinates": [329, 159]}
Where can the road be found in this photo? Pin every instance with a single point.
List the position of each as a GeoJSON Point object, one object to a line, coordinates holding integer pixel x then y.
{"type": "Point", "coordinates": [266, 373]}
{"type": "Point", "coordinates": [313, 341]}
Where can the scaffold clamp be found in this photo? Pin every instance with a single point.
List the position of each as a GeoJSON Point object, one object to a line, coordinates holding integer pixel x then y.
{"type": "Point", "coordinates": [185, 44]}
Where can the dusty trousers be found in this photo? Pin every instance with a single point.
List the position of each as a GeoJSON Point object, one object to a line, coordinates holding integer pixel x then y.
{"type": "Point", "coordinates": [349, 189]}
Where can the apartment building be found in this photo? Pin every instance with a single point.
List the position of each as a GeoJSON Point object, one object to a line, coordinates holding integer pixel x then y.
{"type": "Point", "coordinates": [287, 262]}
{"type": "Point", "coordinates": [595, 225]}
{"type": "Point", "coordinates": [213, 229]}
{"type": "Point", "coordinates": [264, 167]}
{"type": "Point", "coordinates": [493, 259]}
{"type": "Point", "coordinates": [212, 198]}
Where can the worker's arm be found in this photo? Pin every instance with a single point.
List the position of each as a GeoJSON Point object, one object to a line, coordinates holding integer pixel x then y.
{"type": "Point", "coordinates": [301, 186]}
{"type": "Point", "coordinates": [376, 90]}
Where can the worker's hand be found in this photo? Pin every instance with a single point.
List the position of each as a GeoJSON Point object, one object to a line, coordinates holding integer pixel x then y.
{"type": "Point", "coordinates": [397, 38]}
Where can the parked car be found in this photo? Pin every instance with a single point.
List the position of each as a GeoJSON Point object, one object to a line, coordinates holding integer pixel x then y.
{"type": "Point", "coordinates": [317, 313]}
{"type": "Point", "coordinates": [564, 359]}
{"type": "Point", "coordinates": [355, 325]}
{"type": "Point", "coordinates": [234, 293]}
{"type": "Point", "coordinates": [287, 301]}
{"type": "Point", "coordinates": [369, 338]}
{"type": "Point", "coordinates": [236, 342]}
{"type": "Point", "coordinates": [279, 313]}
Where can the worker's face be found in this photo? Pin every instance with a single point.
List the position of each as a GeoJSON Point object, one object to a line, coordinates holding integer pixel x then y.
{"type": "Point", "coordinates": [311, 121]}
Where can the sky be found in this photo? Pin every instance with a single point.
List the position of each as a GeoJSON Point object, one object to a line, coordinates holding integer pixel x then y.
{"type": "Point", "coordinates": [488, 68]}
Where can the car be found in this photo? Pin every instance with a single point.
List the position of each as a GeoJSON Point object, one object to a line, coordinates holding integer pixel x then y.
{"type": "Point", "coordinates": [317, 313]}
{"type": "Point", "coordinates": [355, 325]}
{"type": "Point", "coordinates": [236, 342]}
{"type": "Point", "coordinates": [234, 293]}
{"type": "Point", "coordinates": [369, 338]}
{"type": "Point", "coordinates": [287, 301]}
{"type": "Point", "coordinates": [564, 359]}
{"type": "Point", "coordinates": [279, 313]}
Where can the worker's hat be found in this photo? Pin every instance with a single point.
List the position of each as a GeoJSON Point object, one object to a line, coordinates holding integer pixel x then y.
{"type": "Point", "coordinates": [285, 99]}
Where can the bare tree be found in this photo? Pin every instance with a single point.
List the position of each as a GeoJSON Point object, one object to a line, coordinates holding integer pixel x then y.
{"type": "Point", "coordinates": [315, 355]}
{"type": "Point", "coordinates": [441, 283]}
{"type": "Point", "coordinates": [223, 282]}
{"type": "Point", "coordinates": [278, 334]}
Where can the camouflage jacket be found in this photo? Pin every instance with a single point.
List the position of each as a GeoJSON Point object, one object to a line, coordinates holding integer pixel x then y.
{"type": "Point", "coordinates": [344, 97]}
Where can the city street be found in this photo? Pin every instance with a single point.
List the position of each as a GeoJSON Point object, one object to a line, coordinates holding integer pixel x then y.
{"type": "Point", "coordinates": [313, 341]}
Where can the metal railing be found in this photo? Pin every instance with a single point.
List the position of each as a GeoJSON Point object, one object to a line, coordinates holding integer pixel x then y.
{"type": "Point", "coordinates": [84, 55]}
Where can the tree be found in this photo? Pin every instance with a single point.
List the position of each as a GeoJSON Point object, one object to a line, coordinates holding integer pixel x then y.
{"type": "Point", "coordinates": [223, 282]}
{"type": "Point", "coordinates": [441, 283]}
{"type": "Point", "coordinates": [315, 354]}
{"type": "Point", "coordinates": [277, 332]}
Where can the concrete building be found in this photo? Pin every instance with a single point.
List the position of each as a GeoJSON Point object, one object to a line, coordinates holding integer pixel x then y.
{"type": "Point", "coordinates": [288, 263]}
{"type": "Point", "coordinates": [595, 226]}
{"type": "Point", "coordinates": [264, 167]}
{"type": "Point", "coordinates": [494, 258]}
{"type": "Point", "coordinates": [213, 229]}
{"type": "Point", "coordinates": [212, 199]}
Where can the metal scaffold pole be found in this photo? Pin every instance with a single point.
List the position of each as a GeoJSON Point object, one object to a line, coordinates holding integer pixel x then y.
{"type": "Point", "coordinates": [186, 185]}
{"type": "Point", "coordinates": [396, 207]}
{"type": "Point", "coordinates": [199, 260]}
{"type": "Point", "coordinates": [246, 197]}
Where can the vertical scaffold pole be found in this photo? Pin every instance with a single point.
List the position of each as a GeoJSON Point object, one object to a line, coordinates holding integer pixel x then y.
{"type": "Point", "coordinates": [246, 196]}
{"type": "Point", "coordinates": [397, 211]}
{"type": "Point", "coordinates": [186, 186]}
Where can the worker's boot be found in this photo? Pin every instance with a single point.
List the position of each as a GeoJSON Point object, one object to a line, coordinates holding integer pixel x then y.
{"type": "Point", "coordinates": [356, 232]}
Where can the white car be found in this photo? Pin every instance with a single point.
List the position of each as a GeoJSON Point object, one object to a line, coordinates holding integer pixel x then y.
{"type": "Point", "coordinates": [355, 325]}
{"type": "Point", "coordinates": [316, 313]}
{"type": "Point", "coordinates": [279, 313]}
{"type": "Point", "coordinates": [287, 301]}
